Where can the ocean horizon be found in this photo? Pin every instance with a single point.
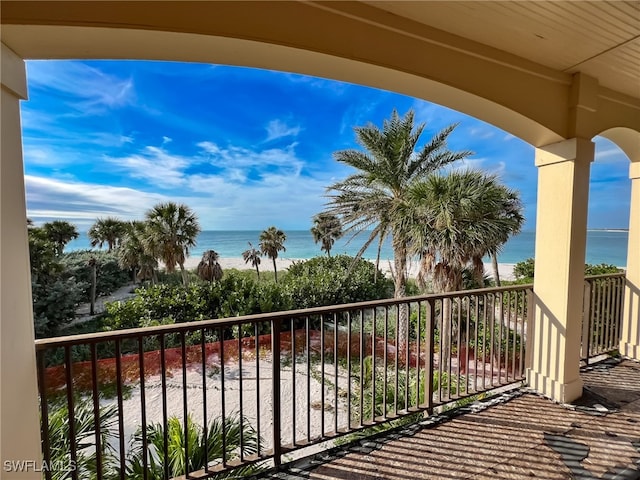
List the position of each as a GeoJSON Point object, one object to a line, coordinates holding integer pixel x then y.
{"type": "Point", "coordinates": [603, 246]}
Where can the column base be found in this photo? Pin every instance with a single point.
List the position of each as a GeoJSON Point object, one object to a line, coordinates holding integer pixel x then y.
{"type": "Point", "coordinates": [553, 389]}
{"type": "Point", "coordinates": [630, 350]}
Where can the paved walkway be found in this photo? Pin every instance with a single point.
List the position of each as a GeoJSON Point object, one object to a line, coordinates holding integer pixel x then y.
{"type": "Point", "coordinates": [524, 437]}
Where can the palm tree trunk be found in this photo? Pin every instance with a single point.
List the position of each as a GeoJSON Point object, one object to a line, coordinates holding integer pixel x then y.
{"type": "Point", "coordinates": [258, 271]}
{"type": "Point", "coordinates": [494, 265]}
{"type": "Point", "coordinates": [275, 270]}
{"type": "Point", "coordinates": [94, 281]}
{"type": "Point", "coordinates": [185, 280]}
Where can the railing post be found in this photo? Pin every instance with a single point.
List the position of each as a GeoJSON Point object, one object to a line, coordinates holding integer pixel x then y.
{"type": "Point", "coordinates": [528, 354]}
{"type": "Point", "coordinates": [275, 391]}
{"type": "Point", "coordinates": [586, 322]}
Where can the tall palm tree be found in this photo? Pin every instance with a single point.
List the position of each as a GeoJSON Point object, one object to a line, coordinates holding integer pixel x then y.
{"type": "Point", "coordinates": [252, 256]}
{"type": "Point", "coordinates": [372, 199]}
{"type": "Point", "coordinates": [171, 230]}
{"type": "Point", "coordinates": [271, 242]}
{"type": "Point", "coordinates": [132, 253]}
{"type": "Point", "coordinates": [59, 233]}
{"type": "Point", "coordinates": [326, 229]}
{"type": "Point", "coordinates": [209, 269]}
{"type": "Point", "coordinates": [107, 230]}
{"type": "Point", "coordinates": [454, 221]}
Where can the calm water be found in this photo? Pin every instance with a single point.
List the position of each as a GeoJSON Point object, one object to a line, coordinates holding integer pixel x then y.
{"type": "Point", "coordinates": [603, 246]}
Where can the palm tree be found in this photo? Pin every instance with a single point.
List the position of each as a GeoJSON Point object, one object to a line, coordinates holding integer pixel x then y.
{"type": "Point", "coordinates": [201, 447]}
{"type": "Point", "coordinates": [59, 233]}
{"type": "Point", "coordinates": [132, 253]}
{"type": "Point", "coordinates": [455, 220]}
{"type": "Point", "coordinates": [326, 229]}
{"type": "Point", "coordinates": [171, 230]}
{"type": "Point", "coordinates": [271, 242]}
{"type": "Point", "coordinates": [93, 265]}
{"type": "Point", "coordinates": [209, 269]}
{"type": "Point", "coordinates": [372, 199]}
{"type": "Point", "coordinates": [252, 256]}
{"type": "Point", "coordinates": [107, 230]}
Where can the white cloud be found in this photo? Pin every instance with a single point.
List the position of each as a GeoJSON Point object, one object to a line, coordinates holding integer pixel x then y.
{"type": "Point", "coordinates": [278, 129]}
{"type": "Point", "coordinates": [91, 89]}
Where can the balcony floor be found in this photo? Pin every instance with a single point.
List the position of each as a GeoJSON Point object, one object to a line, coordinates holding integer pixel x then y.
{"type": "Point", "coordinates": [525, 436]}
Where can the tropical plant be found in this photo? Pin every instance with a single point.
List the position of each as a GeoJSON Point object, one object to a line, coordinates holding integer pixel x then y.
{"type": "Point", "coordinates": [371, 199]}
{"type": "Point", "coordinates": [133, 254]}
{"type": "Point", "coordinates": [455, 220]}
{"type": "Point", "coordinates": [85, 440]}
{"type": "Point", "coordinates": [60, 233]}
{"type": "Point", "coordinates": [223, 437]}
{"type": "Point", "coordinates": [209, 269]}
{"type": "Point", "coordinates": [326, 229]}
{"type": "Point", "coordinates": [252, 256]}
{"type": "Point", "coordinates": [171, 230]}
{"type": "Point", "coordinates": [107, 230]}
{"type": "Point", "coordinates": [271, 242]}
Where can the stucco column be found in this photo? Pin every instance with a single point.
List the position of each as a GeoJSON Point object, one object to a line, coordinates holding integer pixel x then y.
{"type": "Point", "coordinates": [630, 331]}
{"type": "Point", "coordinates": [561, 231]}
{"type": "Point", "coordinates": [19, 413]}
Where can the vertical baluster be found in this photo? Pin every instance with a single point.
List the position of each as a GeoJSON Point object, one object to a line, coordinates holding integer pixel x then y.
{"type": "Point", "coordinates": [223, 414]}
{"type": "Point", "coordinates": [335, 373]}
{"type": "Point", "coordinates": [428, 350]}
{"type": "Point", "coordinates": [396, 369]}
{"type": "Point", "coordinates": [322, 409]}
{"type": "Point", "coordinates": [120, 408]}
{"type": "Point", "coordinates": [458, 345]}
{"type": "Point", "coordinates": [275, 375]}
{"type": "Point", "coordinates": [240, 393]}
{"type": "Point", "coordinates": [362, 348]}
{"type": "Point", "coordinates": [373, 365]}
{"type": "Point", "coordinates": [308, 352]}
{"type": "Point", "coordinates": [205, 433]}
{"type": "Point", "coordinates": [95, 394]}
{"type": "Point", "coordinates": [440, 347]}
{"type": "Point", "coordinates": [44, 408]}
{"type": "Point", "coordinates": [70, 408]}
{"type": "Point", "coordinates": [500, 297]}
{"type": "Point", "coordinates": [466, 343]}
{"type": "Point", "coordinates": [165, 421]}
{"type": "Point", "coordinates": [449, 321]}
{"type": "Point", "coordinates": [185, 407]}
{"type": "Point", "coordinates": [492, 320]}
{"type": "Point", "coordinates": [476, 320]}
{"type": "Point", "coordinates": [406, 359]}
{"type": "Point", "coordinates": [348, 371]}
{"type": "Point", "coordinates": [418, 359]}
{"type": "Point", "coordinates": [485, 309]}
{"type": "Point", "coordinates": [294, 397]}
{"type": "Point", "coordinates": [385, 368]}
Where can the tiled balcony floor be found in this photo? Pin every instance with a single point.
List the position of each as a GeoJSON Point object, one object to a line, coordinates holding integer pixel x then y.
{"type": "Point", "coordinates": [524, 437]}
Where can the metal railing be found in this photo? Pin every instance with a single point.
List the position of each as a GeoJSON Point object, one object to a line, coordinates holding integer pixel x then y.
{"type": "Point", "coordinates": [603, 303]}
{"type": "Point", "coordinates": [267, 385]}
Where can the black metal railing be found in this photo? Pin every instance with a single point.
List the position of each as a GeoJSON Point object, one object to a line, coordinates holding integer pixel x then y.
{"type": "Point", "coordinates": [602, 314]}
{"type": "Point", "coordinates": [201, 397]}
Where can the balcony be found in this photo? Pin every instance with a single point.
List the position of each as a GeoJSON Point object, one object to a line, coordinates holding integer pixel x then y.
{"type": "Point", "coordinates": [263, 393]}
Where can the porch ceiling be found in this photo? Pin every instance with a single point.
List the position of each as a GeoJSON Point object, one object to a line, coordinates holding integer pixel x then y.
{"type": "Point", "coordinates": [601, 39]}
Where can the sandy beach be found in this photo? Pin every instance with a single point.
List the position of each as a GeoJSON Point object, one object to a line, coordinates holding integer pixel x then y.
{"type": "Point", "coordinates": [282, 263]}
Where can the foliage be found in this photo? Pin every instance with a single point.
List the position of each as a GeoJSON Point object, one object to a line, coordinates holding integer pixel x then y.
{"type": "Point", "coordinates": [233, 430]}
{"type": "Point", "coordinates": [252, 256]}
{"type": "Point", "coordinates": [526, 269]}
{"type": "Point", "coordinates": [134, 255]}
{"type": "Point", "coordinates": [171, 229]}
{"type": "Point", "coordinates": [110, 275]}
{"type": "Point", "coordinates": [107, 230]}
{"type": "Point", "coordinates": [334, 281]}
{"type": "Point", "coordinates": [209, 269]}
{"type": "Point", "coordinates": [271, 242]}
{"type": "Point", "coordinates": [84, 428]}
{"type": "Point", "coordinates": [326, 230]}
{"type": "Point", "coordinates": [60, 233]}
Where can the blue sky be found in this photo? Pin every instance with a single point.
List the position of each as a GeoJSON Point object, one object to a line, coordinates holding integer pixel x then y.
{"type": "Point", "coordinates": [245, 148]}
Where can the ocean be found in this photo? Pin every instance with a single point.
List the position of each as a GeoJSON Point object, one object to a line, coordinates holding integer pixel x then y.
{"type": "Point", "coordinates": [603, 246]}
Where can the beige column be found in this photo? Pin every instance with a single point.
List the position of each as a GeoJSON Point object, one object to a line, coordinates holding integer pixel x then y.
{"type": "Point", "coordinates": [561, 230]}
{"type": "Point", "coordinates": [19, 413]}
{"type": "Point", "coordinates": [630, 336]}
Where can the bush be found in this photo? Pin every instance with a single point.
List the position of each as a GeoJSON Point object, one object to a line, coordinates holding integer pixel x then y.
{"type": "Point", "coordinates": [601, 269]}
{"type": "Point", "coordinates": [109, 277]}
{"type": "Point", "coordinates": [525, 270]}
{"type": "Point", "coordinates": [335, 280]}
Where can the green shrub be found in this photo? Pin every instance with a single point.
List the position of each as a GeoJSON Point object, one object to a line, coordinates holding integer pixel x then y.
{"type": "Point", "coordinates": [601, 269]}
{"type": "Point", "coordinates": [524, 269]}
{"type": "Point", "coordinates": [109, 276]}
{"type": "Point", "coordinates": [333, 281]}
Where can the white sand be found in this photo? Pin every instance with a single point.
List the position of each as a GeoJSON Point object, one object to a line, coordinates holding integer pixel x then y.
{"type": "Point", "coordinates": [505, 270]}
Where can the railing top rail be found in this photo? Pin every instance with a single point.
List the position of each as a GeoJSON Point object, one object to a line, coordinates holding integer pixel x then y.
{"type": "Point", "coordinates": [605, 275]}
{"type": "Point", "coordinates": [88, 338]}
